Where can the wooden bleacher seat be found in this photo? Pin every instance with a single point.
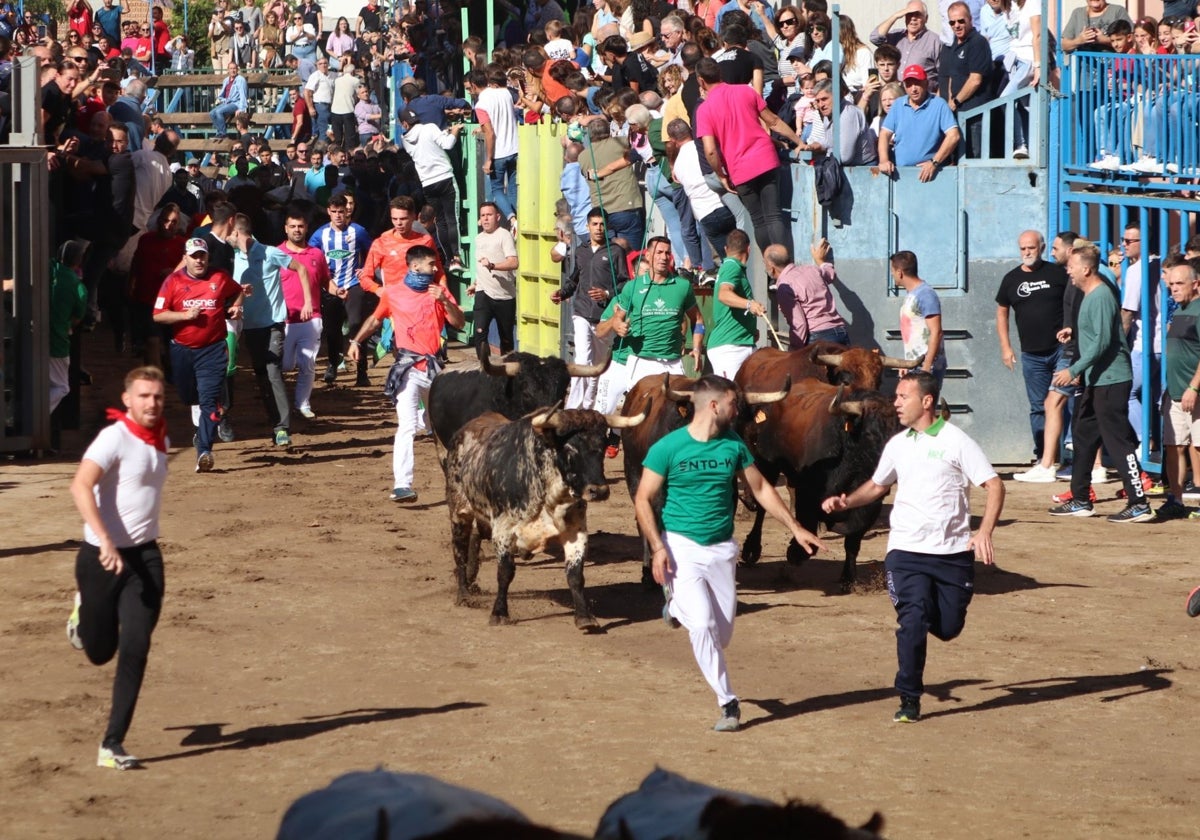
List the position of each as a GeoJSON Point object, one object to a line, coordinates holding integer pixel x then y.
{"type": "Point", "coordinates": [198, 119]}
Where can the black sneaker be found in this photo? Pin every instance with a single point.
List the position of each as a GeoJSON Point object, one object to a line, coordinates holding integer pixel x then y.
{"type": "Point", "coordinates": [1134, 513]}
{"type": "Point", "coordinates": [330, 376]}
{"type": "Point", "coordinates": [1074, 507]}
{"type": "Point", "coordinates": [1193, 603]}
{"type": "Point", "coordinates": [909, 711]}
{"type": "Point", "coordinates": [731, 717]}
{"type": "Point", "coordinates": [1172, 509]}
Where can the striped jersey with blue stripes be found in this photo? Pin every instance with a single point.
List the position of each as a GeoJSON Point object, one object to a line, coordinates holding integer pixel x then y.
{"type": "Point", "coordinates": [345, 251]}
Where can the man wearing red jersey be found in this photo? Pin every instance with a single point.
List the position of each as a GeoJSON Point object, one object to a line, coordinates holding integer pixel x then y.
{"type": "Point", "coordinates": [419, 309]}
{"type": "Point", "coordinates": [195, 301]}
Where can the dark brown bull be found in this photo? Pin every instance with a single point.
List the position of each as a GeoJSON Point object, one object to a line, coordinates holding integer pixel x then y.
{"type": "Point", "coordinates": [825, 440]}
{"type": "Point", "coordinates": [524, 484]}
{"type": "Point", "coordinates": [827, 361]}
{"type": "Point", "coordinates": [670, 401]}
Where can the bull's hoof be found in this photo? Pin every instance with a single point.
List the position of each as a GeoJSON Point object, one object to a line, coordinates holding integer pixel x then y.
{"type": "Point", "coordinates": [587, 623]}
{"type": "Point", "coordinates": [500, 620]}
{"type": "Point", "coordinates": [795, 554]}
{"type": "Point", "coordinates": [474, 589]}
{"type": "Point", "coordinates": [751, 554]}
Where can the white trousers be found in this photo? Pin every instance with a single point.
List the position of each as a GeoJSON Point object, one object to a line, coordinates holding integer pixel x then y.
{"type": "Point", "coordinates": [639, 368]}
{"type": "Point", "coordinates": [727, 359]}
{"type": "Point", "coordinates": [301, 341]}
{"type": "Point", "coordinates": [704, 600]}
{"type": "Point", "coordinates": [414, 391]}
{"type": "Point", "coordinates": [611, 387]}
{"type": "Point", "coordinates": [583, 388]}
{"type": "Point", "coordinates": [59, 384]}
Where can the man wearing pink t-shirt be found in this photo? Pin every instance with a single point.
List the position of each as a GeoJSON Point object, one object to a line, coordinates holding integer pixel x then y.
{"type": "Point", "coordinates": [301, 338]}
{"type": "Point", "coordinates": [740, 151]}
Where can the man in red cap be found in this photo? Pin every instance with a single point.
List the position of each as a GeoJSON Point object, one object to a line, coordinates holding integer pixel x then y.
{"type": "Point", "coordinates": [923, 127]}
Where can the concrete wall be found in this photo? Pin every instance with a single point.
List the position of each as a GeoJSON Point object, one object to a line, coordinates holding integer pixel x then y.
{"type": "Point", "coordinates": [963, 227]}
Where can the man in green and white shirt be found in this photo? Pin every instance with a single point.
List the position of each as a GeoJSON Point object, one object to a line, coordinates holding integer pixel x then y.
{"type": "Point", "coordinates": [694, 553]}
{"type": "Point", "coordinates": [649, 311]}
{"type": "Point", "coordinates": [735, 312]}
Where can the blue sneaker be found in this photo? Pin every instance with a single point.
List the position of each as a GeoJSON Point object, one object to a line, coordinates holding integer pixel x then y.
{"type": "Point", "coordinates": [403, 494]}
{"type": "Point", "coordinates": [1064, 474]}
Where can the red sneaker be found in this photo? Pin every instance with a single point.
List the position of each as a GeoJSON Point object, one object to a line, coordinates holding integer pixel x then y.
{"type": "Point", "coordinates": [612, 451]}
{"type": "Point", "coordinates": [1148, 487]}
{"type": "Point", "coordinates": [1067, 495]}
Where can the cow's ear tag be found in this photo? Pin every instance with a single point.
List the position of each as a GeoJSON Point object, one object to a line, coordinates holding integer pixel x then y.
{"type": "Point", "coordinates": [760, 416]}
{"type": "Point", "coordinates": [682, 409]}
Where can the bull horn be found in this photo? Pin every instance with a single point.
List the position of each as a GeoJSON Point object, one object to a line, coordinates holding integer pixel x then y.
{"type": "Point", "coordinates": [836, 406]}
{"type": "Point", "coordinates": [831, 359]}
{"type": "Point", "coordinates": [589, 370]}
{"type": "Point", "coordinates": [901, 364]}
{"type": "Point", "coordinates": [944, 409]}
{"type": "Point", "coordinates": [764, 397]}
{"type": "Point", "coordinates": [547, 420]}
{"type": "Point", "coordinates": [621, 421]}
{"type": "Point", "coordinates": [501, 368]}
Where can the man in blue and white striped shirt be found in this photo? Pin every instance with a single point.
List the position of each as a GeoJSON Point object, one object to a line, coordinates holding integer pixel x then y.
{"type": "Point", "coordinates": [345, 245]}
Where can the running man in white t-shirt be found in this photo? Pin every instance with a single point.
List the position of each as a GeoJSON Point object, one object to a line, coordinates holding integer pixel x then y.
{"type": "Point", "coordinates": [931, 555]}
{"type": "Point", "coordinates": [119, 568]}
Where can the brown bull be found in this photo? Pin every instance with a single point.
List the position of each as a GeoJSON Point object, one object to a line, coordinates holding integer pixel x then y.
{"type": "Point", "coordinates": [827, 361]}
{"type": "Point", "coordinates": [825, 440]}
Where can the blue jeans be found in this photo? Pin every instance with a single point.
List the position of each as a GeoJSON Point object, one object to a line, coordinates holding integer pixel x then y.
{"type": "Point", "coordinates": [321, 121]}
{"type": "Point", "coordinates": [695, 245]}
{"type": "Point", "coordinates": [630, 225]}
{"type": "Point", "coordinates": [220, 114]}
{"type": "Point", "coordinates": [1038, 370]}
{"type": "Point", "coordinates": [200, 377]}
{"type": "Point", "coordinates": [661, 190]}
{"type": "Point", "coordinates": [503, 183]}
{"type": "Point", "coordinates": [1136, 392]}
{"type": "Point", "coordinates": [838, 334]}
{"type": "Point", "coordinates": [717, 226]}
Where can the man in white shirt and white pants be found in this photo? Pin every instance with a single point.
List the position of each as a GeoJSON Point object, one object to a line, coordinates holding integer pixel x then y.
{"type": "Point", "coordinates": [930, 563]}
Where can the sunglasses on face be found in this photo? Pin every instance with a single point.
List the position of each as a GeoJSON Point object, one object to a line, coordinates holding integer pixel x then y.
{"type": "Point", "coordinates": [959, 22]}
{"type": "Point", "coordinates": [787, 22]}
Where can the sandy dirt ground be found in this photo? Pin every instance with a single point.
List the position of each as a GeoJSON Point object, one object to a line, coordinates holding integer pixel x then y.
{"type": "Point", "coordinates": [309, 630]}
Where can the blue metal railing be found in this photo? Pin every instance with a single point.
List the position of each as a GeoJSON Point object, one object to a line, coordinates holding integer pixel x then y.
{"type": "Point", "coordinates": [1027, 103]}
{"type": "Point", "coordinates": [1132, 116]}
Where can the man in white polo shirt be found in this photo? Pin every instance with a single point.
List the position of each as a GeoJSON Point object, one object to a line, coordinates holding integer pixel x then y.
{"type": "Point", "coordinates": [931, 555]}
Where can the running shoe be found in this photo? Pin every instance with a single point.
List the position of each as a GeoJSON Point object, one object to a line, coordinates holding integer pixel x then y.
{"type": "Point", "coordinates": [1134, 513]}
{"type": "Point", "coordinates": [1099, 475]}
{"type": "Point", "coordinates": [909, 711]}
{"type": "Point", "coordinates": [115, 758]}
{"type": "Point", "coordinates": [455, 266]}
{"type": "Point", "coordinates": [1171, 509]}
{"type": "Point", "coordinates": [73, 625]}
{"type": "Point", "coordinates": [612, 451]}
{"type": "Point", "coordinates": [1037, 474]}
{"type": "Point", "coordinates": [282, 438]}
{"type": "Point", "coordinates": [1193, 602]}
{"type": "Point", "coordinates": [1067, 495]}
{"type": "Point", "coordinates": [306, 413]}
{"type": "Point", "coordinates": [403, 494]}
{"type": "Point", "coordinates": [731, 717]}
{"type": "Point", "coordinates": [205, 462]}
{"type": "Point", "coordinates": [1073, 508]}
{"type": "Point", "coordinates": [225, 431]}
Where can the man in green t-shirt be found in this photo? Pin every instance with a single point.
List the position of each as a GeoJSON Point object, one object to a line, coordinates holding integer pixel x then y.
{"type": "Point", "coordinates": [694, 554]}
{"type": "Point", "coordinates": [1181, 420]}
{"type": "Point", "coordinates": [649, 312]}
{"type": "Point", "coordinates": [734, 310]}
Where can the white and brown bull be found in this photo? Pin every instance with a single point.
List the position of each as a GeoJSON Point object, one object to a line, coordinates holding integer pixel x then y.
{"type": "Point", "coordinates": [524, 484]}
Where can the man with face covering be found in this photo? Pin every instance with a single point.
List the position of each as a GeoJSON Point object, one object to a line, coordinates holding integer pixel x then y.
{"type": "Point", "coordinates": [419, 308]}
{"type": "Point", "coordinates": [694, 555]}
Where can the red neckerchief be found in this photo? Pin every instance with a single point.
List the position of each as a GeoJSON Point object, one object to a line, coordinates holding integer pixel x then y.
{"type": "Point", "coordinates": [156, 437]}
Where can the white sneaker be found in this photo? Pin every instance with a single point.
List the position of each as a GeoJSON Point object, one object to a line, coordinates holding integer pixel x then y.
{"type": "Point", "coordinates": [1099, 475]}
{"type": "Point", "coordinates": [1147, 165]}
{"type": "Point", "coordinates": [306, 412]}
{"type": "Point", "coordinates": [1021, 152]}
{"type": "Point", "coordinates": [1107, 162]}
{"type": "Point", "coordinates": [1037, 474]}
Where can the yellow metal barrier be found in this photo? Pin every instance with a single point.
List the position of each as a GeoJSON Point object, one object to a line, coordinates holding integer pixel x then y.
{"type": "Point", "coordinates": [539, 169]}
